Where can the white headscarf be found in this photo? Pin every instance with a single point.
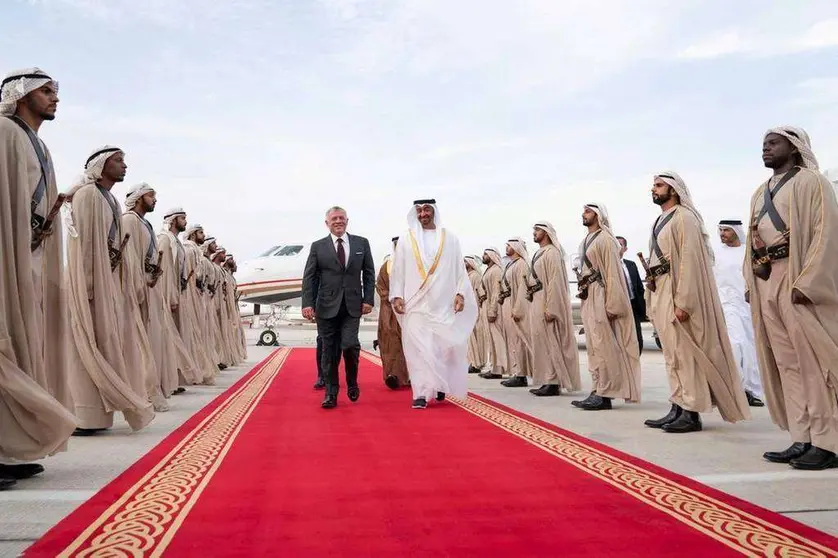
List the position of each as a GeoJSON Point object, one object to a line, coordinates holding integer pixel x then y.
{"type": "Point", "coordinates": [192, 229]}
{"type": "Point", "coordinates": [520, 247]}
{"type": "Point", "coordinates": [18, 84]}
{"type": "Point", "coordinates": [547, 227]}
{"type": "Point", "coordinates": [604, 220]}
{"type": "Point", "coordinates": [135, 193]}
{"type": "Point", "coordinates": [93, 167]}
{"type": "Point", "coordinates": [494, 255]}
{"type": "Point", "coordinates": [686, 200]}
{"type": "Point", "coordinates": [415, 226]}
{"type": "Point", "coordinates": [736, 226]}
{"type": "Point", "coordinates": [474, 261]}
{"type": "Point", "coordinates": [170, 216]}
{"type": "Point", "coordinates": [800, 140]}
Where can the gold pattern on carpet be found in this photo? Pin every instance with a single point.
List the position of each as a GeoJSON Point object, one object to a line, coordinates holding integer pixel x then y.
{"type": "Point", "coordinates": [144, 520]}
{"type": "Point", "coordinates": [727, 524]}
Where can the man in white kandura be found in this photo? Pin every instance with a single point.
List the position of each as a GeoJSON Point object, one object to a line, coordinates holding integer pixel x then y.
{"type": "Point", "coordinates": [740, 328]}
{"type": "Point", "coordinates": [435, 305]}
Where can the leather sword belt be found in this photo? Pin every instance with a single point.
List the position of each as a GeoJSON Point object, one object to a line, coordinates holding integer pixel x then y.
{"type": "Point", "coordinates": [532, 289]}
{"type": "Point", "coordinates": [660, 269]}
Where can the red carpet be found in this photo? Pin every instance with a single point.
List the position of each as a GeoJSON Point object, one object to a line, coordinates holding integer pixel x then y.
{"type": "Point", "coordinates": [265, 471]}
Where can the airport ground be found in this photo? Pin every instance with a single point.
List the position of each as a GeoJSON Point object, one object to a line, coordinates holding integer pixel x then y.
{"type": "Point", "coordinates": [724, 456]}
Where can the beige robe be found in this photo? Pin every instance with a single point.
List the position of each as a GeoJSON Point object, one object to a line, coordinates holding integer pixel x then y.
{"type": "Point", "coordinates": [477, 342]}
{"type": "Point", "coordinates": [194, 312]}
{"type": "Point", "coordinates": [233, 319]}
{"type": "Point", "coordinates": [109, 373]}
{"type": "Point", "coordinates": [699, 359]}
{"type": "Point", "coordinates": [169, 285]}
{"type": "Point", "coordinates": [224, 316]}
{"type": "Point", "coordinates": [496, 340]}
{"type": "Point", "coordinates": [555, 354]}
{"type": "Point", "coordinates": [613, 353]}
{"type": "Point", "coordinates": [35, 401]}
{"type": "Point", "coordinates": [389, 330]}
{"type": "Point", "coordinates": [797, 344]}
{"type": "Point", "coordinates": [163, 377]}
{"type": "Point", "coordinates": [515, 326]}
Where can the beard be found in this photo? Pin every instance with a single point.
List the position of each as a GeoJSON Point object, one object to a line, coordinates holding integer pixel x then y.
{"type": "Point", "coordinates": [660, 200]}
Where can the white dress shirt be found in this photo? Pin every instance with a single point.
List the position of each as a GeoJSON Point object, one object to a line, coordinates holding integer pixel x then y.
{"type": "Point", "coordinates": [628, 279]}
{"type": "Point", "coordinates": [345, 239]}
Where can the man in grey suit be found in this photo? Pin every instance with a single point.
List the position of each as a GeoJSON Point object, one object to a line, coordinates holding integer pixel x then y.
{"type": "Point", "coordinates": [338, 288]}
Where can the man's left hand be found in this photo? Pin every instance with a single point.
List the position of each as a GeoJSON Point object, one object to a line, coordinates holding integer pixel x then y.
{"type": "Point", "coordinates": [798, 297]}
{"type": "Point", "coordinates": [459, 303]}
{"type": "Point", "coordinates": [366, 309]}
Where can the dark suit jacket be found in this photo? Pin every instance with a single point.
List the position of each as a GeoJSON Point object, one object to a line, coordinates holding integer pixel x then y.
{"type": "Point", "coordinates": [639, 302]}
{"type": "Point", "coordinates": [326, 283]}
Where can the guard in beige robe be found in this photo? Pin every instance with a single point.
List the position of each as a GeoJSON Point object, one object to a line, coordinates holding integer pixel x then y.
{"type": "Point", "coordinates": [109, 373]}
{"type": "Point", "coordinates": [555, 353]}
{"type": "Point", "coordinates": [144, 271]}
{"type": "Point", "coordinates": [516, 315]}
{"type": "Point", "coordinates": [477, 351]}
{"type": "Point", "coordinates": [234, 268]}
{"type": "Point", "coordinates": [222, 308]}
{"type": "Point", "coordinates": [791, 275]}
{"type": "Point", "coordinates": [194, 306]}
{"type": "Point", "coordinates": [394, 367]}
{"type": "Point", "coordinates": [687, 314]}
{"type": "Point", "coordinates": [498, 356]}
{"type": "Point", "coordinates": [172, 283]}
{"type": "Point", "coordinates": [610, 335]}
{"type": "Point", "coordinates": [35, 404]}
{"type": "Point", "coordinates": [237, 333]}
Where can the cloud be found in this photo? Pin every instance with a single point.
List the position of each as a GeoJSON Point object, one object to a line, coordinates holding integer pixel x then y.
{"type": "Point", "coordinates": [762, 42]}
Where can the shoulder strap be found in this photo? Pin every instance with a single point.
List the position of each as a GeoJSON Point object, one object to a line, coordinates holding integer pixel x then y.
{"type": "Point", "coordinates": [588, 241]}
{"type": "Point", "coordinates": [41, 188]}
{"type": "Point", "coordinates": [114, 230]}
{"type": "Point", "coordinates": [535, 258]}
{"type": "Point", "coordinates": [768, 206]}
{"type": "Point", "coordinates": [660, 223]}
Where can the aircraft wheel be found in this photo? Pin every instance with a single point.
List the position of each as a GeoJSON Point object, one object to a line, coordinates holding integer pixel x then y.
{"type": "Point", "coordinates": [268, 337]}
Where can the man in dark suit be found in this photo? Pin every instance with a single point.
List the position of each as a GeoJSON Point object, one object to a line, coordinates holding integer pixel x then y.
{"type": "Point", "coordinates": [636, 291]}
{"type": "Point", "coordinates": [338, 288]}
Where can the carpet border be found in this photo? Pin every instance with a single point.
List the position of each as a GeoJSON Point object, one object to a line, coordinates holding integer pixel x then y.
{"type": "Point", "coordinates": [65, 539]}
{"type": "Point", "coordinates": [727, 519]}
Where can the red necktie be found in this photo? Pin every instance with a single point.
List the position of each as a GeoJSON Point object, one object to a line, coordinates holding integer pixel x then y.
{"type": "Point", "coordinates": [341, 254]}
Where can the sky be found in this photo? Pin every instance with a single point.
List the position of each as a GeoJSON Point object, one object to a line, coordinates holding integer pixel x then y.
{"type": "Point", "coordinates": [255, 116]}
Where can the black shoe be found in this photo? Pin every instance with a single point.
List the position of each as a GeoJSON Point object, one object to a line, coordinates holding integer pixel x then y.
{"type": "Point", "coordinates": [354, 392]}
{"type": "Point", "coordinates": [179, 390]}
{"type": "Point", "coordinates": [816, 459]}
{"type": "Point", "coordinates": [87, 431]}
{"type": "Point", "coordinates": [689, 421]}
{"type": "Point", "coordinates": [330, 402]}
{"type": "Point", "coordinates": [320, 384]}
{"type": "Point", "coordinates": [440, 396]}
{"type": "Point", "coordinates": [420, 403]}
{"type": "Point", "coordinates": [375, 344]}
{"type": "Point", "coordinates": [20, 472]}
{"type": "Point", "coordinates": [490, 376]}
{"type": "Point", "coordinates": [6, 484]}
{"type": "Point", "coordinates": [222, 366]}
{"type": "Point", "coordinates": [391, 382]}
{"type": "Point", "coordinates": [596, 403]}
{"type": "Point", "coordinates": [797, 449]}
{"type": "Point", "coordinates": [673, 414]}
{"type": "Point", "coordinates": [579, 403]}
{"type": "Point", "coordinates": [473, 370]}
{"type": "Point", "coordinates": [515, 381]}
{"type": "Point", "coordinates": [547, 391]}
{"type": "Point", "coordinates": [753, 400]}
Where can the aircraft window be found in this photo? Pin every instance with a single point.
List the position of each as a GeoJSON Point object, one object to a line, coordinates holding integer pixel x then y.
{"type": "Point", "coordinates": [267, 253]}
{"type": "Point", "coordinates": [291, 250]}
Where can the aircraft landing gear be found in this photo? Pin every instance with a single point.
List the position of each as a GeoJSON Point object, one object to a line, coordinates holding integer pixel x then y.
{"type": "Point", "coordinates": [268, 339]}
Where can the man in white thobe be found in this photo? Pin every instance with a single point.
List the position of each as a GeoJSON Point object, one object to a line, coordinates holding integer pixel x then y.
{"type": "Point", "coordinates": [435, 305]}
{"type": "Point", "coordinates": [740, 328]}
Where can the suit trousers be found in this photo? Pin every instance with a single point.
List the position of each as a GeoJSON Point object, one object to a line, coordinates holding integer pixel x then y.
{"type": "Point", "coordinates": [320, 376]}
{"type": "Point", "coordinates": [339, 335]}
{"type": "Point", "coordinates": [638, 315]}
